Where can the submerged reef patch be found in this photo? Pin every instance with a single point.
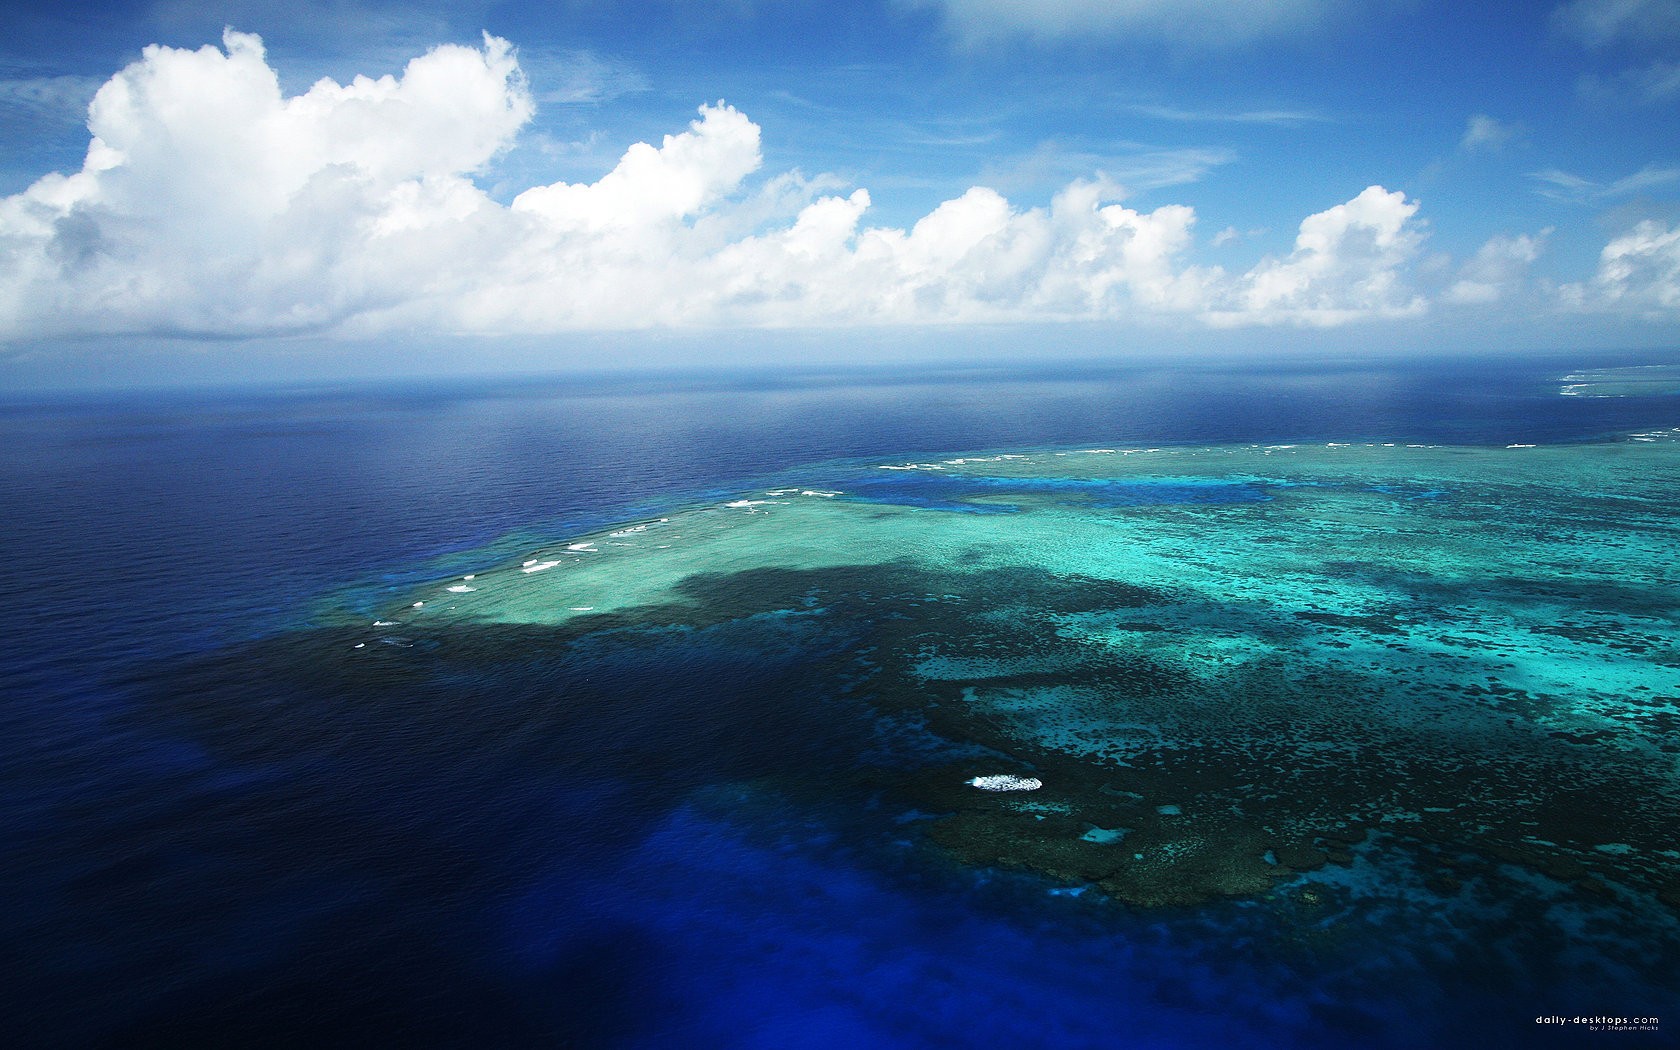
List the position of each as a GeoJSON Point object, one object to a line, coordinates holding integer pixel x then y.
{"type": "Point", "coordinates": [1217, 669]}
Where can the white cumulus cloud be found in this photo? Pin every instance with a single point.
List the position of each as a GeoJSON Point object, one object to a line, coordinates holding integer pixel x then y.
{"type": "Point", "coordinates": [1638, 273]}
{"type": "Point", "coordinates": [687, 173]}
{"type": "Point", "coordinates": [975, 258]}
{"type": "Point", "coordinates": [212, 204]}
{"type": "Point", "coordinates": [1349, 261]}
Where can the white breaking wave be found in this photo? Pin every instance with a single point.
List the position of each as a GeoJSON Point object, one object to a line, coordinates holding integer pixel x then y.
{"type": "Point", "coordinates": [632, 530]}
{"type": "Point", "coordinates": [1006, 782]}
{"type": "Point", "coordinates": [538, 566]}
{"type": "Point", "coordinates": [460, 588]}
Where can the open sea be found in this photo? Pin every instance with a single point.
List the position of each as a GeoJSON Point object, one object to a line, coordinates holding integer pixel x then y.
{"type": "Point", "coordinates": [703, 826]}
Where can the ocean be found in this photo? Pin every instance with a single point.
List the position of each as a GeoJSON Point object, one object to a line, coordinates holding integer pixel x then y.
{"type": "Point", "coordinates": [642, 711]}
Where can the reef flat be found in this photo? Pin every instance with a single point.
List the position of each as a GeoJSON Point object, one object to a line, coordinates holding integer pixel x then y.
{"type": "Point", "coordinates": [1195, 672]}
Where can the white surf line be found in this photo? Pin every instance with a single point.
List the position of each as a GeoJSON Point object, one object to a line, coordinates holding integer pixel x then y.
{"type": "Point", "coordinates": [643, 527]}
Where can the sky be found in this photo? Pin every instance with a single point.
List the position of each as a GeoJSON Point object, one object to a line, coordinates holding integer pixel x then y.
{"type": "Point", "coordinates": [250, 189]}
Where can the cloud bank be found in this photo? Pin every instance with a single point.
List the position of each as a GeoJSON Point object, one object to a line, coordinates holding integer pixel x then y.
{"type": "Point", "coordinates": [211, 204]}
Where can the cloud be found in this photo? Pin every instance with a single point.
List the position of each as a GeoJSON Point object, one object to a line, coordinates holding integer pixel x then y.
{"type": "Point", "coordinates": [1349, 262]}
{"type": "Point", "coordinates": [212, 204]}
{"type": "Point", "coordinates": [1217, 23]}
{"type": "Point", "coordinates": [1599, 24]}
{"type": "Point", "coordinates": [1656, 82]}
{"type": "Point", "coordinates": [974, 258]}
{"type": "Point", "coordinates": [1638, 273]}
{"type": "Point", "coordinates": [1574, 189]}
{"type": "Point", "coordinates": [1285, 117]}
{"type": "Point", "coordinates": [571, 77]}
{"type": "Point", "coordinates": [1484, 134]}
{"type": "Point", "coordinates": [687, 173]}
{"type": "Point", "coordinates": [1138, 168]}
{"type": "Point", "coordinates": [49, 95]}
{"type": "Point", "coordinates": [1645, 31]}
{"type": "Point", "coordinates": [1498, 268]}
{"type": "Point", "coordinates": [209, 203]}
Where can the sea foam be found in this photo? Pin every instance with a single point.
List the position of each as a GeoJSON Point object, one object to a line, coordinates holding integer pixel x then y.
{"type": "Point", "coordinates": [1005, 782]}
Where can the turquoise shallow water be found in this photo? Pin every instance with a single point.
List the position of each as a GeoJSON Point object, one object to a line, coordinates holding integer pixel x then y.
{"type": "Point", "coordinates": [1225, 667]}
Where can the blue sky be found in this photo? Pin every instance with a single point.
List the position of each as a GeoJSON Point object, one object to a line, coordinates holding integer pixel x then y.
{"type": "Point", "coordinates": [1331, 173]}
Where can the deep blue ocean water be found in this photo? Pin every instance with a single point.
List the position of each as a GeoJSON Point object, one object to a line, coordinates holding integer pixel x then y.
{"type": "Point", "coordinates": [199, 847]}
